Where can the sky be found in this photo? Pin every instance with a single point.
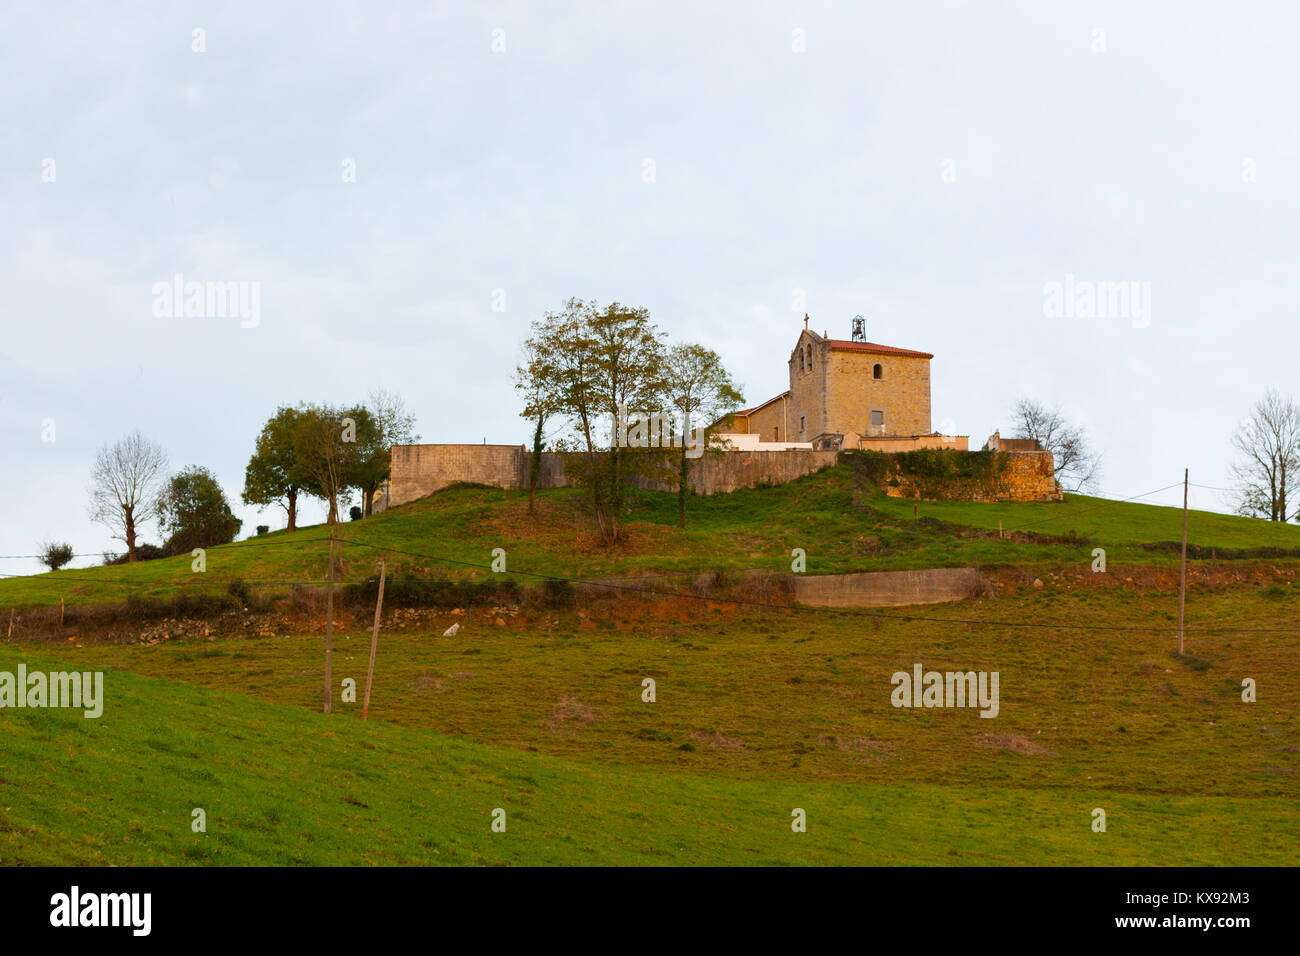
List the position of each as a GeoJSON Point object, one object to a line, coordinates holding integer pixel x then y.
{"type": "Point", "coordinates": [407, 186]}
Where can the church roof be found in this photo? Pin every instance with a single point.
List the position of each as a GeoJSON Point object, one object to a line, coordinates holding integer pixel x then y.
{"type": "Point", "coordinates": [846, 345]}
{"type": "Point", "coordinates": [750, 411]}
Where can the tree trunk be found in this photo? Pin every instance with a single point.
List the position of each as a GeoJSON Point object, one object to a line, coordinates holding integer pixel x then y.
{"type": "Point", "coordinates": [535, 466]}
{"type": "Point", "coordinates": [1281, 494]}
{"type": "Point", "coordinates": [368, 501]}
{"type": "Point", "coordinates": [333, 517]}
{"type": "Point", "coordinates": [128, 510]}
{"type": "Point", "coordinates": [681, 490]}
{"type": "Point", "coordinates": [293, 509]}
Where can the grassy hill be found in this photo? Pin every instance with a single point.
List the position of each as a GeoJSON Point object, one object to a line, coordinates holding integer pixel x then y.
{"type": "Point", "coordinates": [282, 785]}
{"type": "Point", "coordinates": [841, 522]}
{"type": "Point", "coordinates": [538, 710]}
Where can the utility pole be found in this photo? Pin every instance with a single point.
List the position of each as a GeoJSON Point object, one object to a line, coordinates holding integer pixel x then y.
{"type": "Point", "coordinates": [1182, 578]}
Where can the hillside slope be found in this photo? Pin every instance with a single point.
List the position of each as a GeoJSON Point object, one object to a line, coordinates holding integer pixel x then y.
{"type": "Point", "coordinates": [282, 785]}
{"type": "Point", "coordinates": [842, 524]}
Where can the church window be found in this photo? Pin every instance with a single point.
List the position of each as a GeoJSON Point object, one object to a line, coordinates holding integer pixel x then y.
{"type": "Point", "coordinates": [877, 371]}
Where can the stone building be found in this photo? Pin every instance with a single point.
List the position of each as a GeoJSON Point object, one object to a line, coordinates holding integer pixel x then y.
{"type": "Point", "coordinates": [850, 393]}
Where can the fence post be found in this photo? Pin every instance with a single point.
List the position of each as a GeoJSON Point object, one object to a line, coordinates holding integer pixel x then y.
{"type": "Point", "coordinates": [374, 637]}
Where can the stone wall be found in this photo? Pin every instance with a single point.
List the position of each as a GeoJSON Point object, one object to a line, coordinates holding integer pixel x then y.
{"type": "Point", "coordinates": [808, 387]}
{"type": "Point", "coordinates": [420, 470]}
{"type": "Point", "coordinates": [938, 442]}
{"type": "Point", "coordinates": [902, 393]}
{"type": "Point", "coordinates": [1022, 476]}
{"type": "Point", "coordinates": [772, 421]}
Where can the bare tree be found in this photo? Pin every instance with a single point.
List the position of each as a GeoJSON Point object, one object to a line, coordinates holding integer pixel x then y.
{"type": "Point", "coordinates": [1078, 467]}
{"type": "Point", "coordinates": [126, 484]}
{"type": "Point", "coordinates": [1267, 469]}
{"type": "Point", "coordinates": [392, 425]}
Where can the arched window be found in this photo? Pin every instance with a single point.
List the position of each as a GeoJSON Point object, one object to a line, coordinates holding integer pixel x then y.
{"type": "Point", "coordinates": [877, 371]}
{"type": "Point", "coordinates": [810, 356]}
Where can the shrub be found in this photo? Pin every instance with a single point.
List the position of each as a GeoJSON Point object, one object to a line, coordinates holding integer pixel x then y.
{"type": "Point", "coordinates": [354, 513]}
{"type": "Point", "coordinates": [143, 552]}
{"type": "Point", "coordinates": [557, 592]}
{"type": "Point", "coordinates": [432, 592]}
{"type": "Point", "coordinates": [194, 512]}
{"type": "Point", "coordinates": [239, 591]}
{"type": "Point", "coordinates": [263, 529]}
{"type": "Point", "coordinates": [55, 556]}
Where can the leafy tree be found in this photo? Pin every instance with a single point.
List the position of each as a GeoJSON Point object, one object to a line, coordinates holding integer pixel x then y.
{"type": "Point", "coordinates": [1077, 466]}
{"type": "Point", "coordinates": [537, 382]}
{"type": "Point", "coordinates": [701, 392]}
{"type": "Point", "coordinates": [55, 555]}
{"type": "Point", "coordinates": [602, 363]}
{"type": "Point", "coordinates": [1267, 469]}
{"type": "Point", "coordinates": [329, 443]}
{"type": "Point", "coordinates": [273, 476]}
{"type": "Point", "coordinates": [126, 482]}
{"type": "Point", "coordinates": [194, 512]}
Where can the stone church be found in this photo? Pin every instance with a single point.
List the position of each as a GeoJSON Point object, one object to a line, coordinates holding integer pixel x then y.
{"type": "Point", "coordinates": [844, 394]}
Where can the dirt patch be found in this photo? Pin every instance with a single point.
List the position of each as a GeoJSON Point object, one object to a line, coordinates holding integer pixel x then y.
{"type": "Point", "coordinates": [569, 716]}
{"type": "Point", "coordinates": [1013, 743]}
{"type": "Point", "coordinates": [427, 682]}
{"type": "Point", "coordinates": [858, 745]}
{"type": "Point", "coordinates": [717, 741]}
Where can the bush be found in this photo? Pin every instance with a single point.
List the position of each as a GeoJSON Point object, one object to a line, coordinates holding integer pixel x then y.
{"type": "Point", "coordinates": [55, 556]}
{"type": "Point", "coordinates": [557, 592]}
{"type": "Point", "coordinates": [194, 512]}
{"type": "Point", "coordinates": [239, 591]}
{"type": "Point", "coordinates": [143, 552]}
{"type": "Point", "coordinates": [434, 592]}
{"type": "Point", "coordinates": [354, 513]}
{"type": "Point", "coordinates": [263, 529]}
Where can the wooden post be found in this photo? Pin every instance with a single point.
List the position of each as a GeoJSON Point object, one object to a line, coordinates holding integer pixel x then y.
{"type": "Point", "coordinates": [915, 512]}
{"type": "Point", "coordinates": [11, 624]}
{"type": "Point", "coordinates": [61, 609]}
{"type": "Point", "coordinates": [1182, 577]}
{"type": "Point", "coordinates": [374, 637]}
{"type": "Point", "coordinates": [999, 527]}
{"type": "Point", "coordinates": [329, 632]}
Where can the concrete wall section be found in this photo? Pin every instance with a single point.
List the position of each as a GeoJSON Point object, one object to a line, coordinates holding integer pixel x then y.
{"type": "Point", "coordinates": [889, 588]}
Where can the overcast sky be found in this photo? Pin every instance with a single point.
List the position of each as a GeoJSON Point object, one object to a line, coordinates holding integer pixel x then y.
{"type": "Point", "coordinates": [931, 166]}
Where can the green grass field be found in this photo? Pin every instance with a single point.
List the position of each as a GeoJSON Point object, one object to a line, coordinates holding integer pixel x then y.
{"type": "Point", "coordinates": [282, 785]}
{"type": "Point", "coordinates": [755, 714]}
{"type": "Point", "coordinates": [538, 711]}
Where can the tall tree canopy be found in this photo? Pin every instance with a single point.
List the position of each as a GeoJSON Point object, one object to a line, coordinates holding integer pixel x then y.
{"type": "Point", "coordinates": [623, 397]}
{"type": "Point", "coordinates": [194, 512]}
{"type": "Point", "coordinates": [273, 476]}
{"type": "Point", "coordinates": [701, 392]}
